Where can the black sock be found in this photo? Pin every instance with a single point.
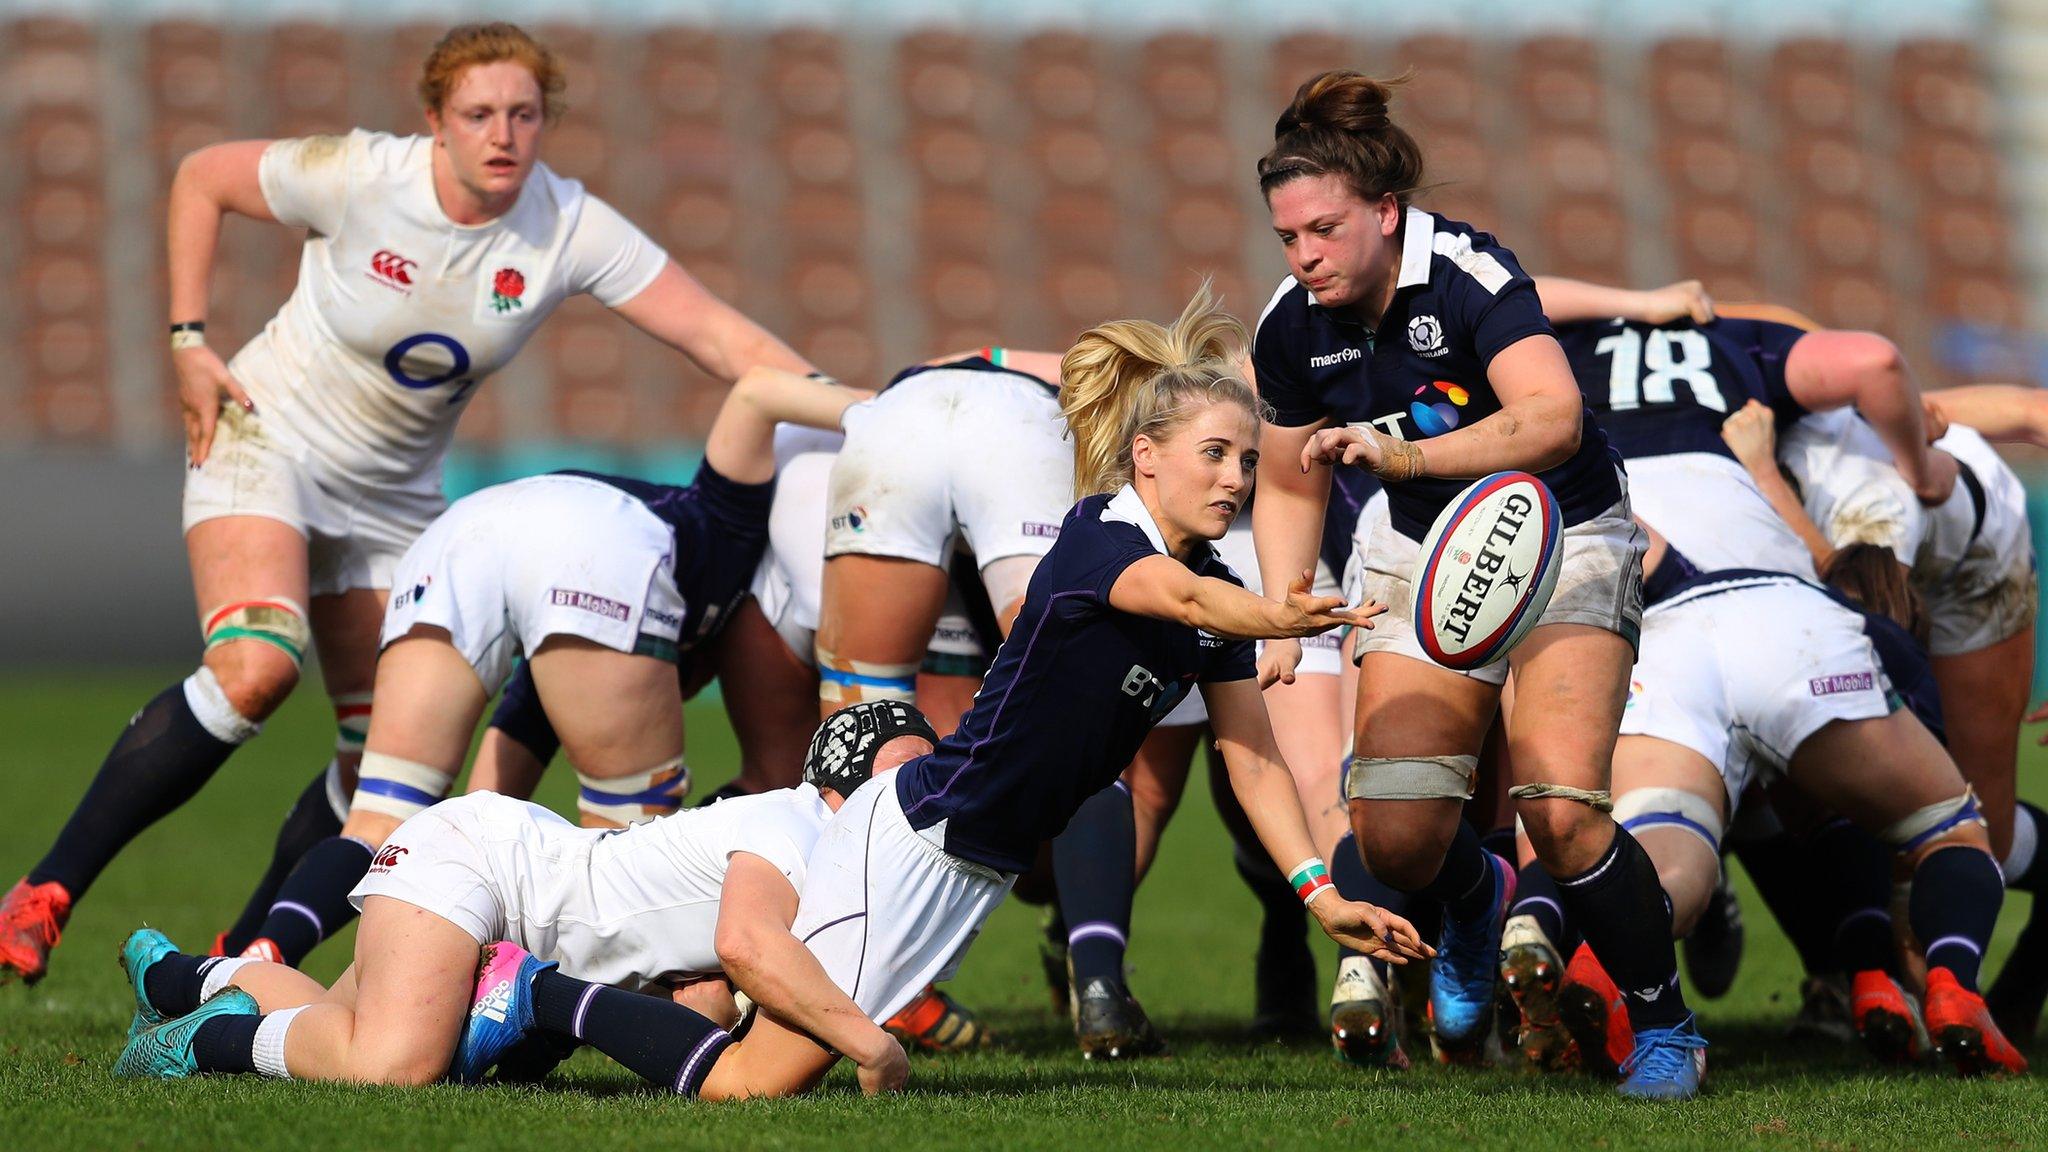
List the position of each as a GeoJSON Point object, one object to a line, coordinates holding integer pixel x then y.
{"type": "Point", "coordinates": [1781, 868]}
{"type": "Point", "coordinates": [1500, 842]}
{"type": "Point", "coordinates": [162, 759]}
{"type": "Point", "coordinates": [172, 984]}
{"type": "Point", "coordinates": [1355, 881]}
{"type": "Point", "coordinates": [1623, 913]}
{"type": "Point", "coordinates": [1851, 872]}
{"type": "Point", "coordinates": [520, 716]}
{"type": "Point", "coordinates": [226, 1044]}
{"type": "Point", "coordinates": [1465, 882]}
{"type": "Point", "coordinates": [2022, 984]}
{"type": "Point", "coordinates": [1284, 969]}
{"type": "Point", "coordinates": [312, 904]}
{"type": "Point", "coordinates": [655, 1037]}
{"type": "Point", "coordinates": [1536, 896]}
{"type": "Point", "coordinates": [310, 821]}
{"type": "Point", "coordinates": [1094, 863]}
{"type": "Point", "coordinates": [1956, 894]}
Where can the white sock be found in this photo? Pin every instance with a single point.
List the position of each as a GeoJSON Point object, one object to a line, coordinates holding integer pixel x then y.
{"type": "Point", "coordinates": [2026, 840]}
{"type": "Point", "coordinates": [209, 703]}
{"type": "Point", "coordinates": [220, 975]}
{"type": "Point", "coordinates": [270, 1043]}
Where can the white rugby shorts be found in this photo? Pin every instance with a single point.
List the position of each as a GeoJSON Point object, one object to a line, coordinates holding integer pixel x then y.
{"type": "Point", "coordinates": [1600, 583]}
{"type": "Point", "coordinates": [974, 453]}
{"type": "Point", "coordinates": [1744, 676]}
{"type": "Point", "coordinates": [355, 532]}
{"type": "Point", "coordinates": [1976, 567]}
{"type": "Point", "coordinates": [514, 564]}
{"type": "Point", "coordinates": [884, 909]}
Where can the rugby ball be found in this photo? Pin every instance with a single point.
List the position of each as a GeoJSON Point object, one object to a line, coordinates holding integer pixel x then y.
{"type": "Point", "coordinates": [1486, 570]}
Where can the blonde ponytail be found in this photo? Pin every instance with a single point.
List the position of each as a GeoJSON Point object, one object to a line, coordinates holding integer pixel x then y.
{"type": "Point", "coordinates": [1132, 377]}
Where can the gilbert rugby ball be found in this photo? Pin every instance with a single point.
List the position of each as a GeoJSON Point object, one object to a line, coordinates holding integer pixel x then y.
{"type": "Point", "coordinates": [1486, 570]}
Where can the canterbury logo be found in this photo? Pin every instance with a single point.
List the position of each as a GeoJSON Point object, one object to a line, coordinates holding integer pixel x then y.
{"type": "Point", "coordinates": [392, 268]}
{"type": "Point", "coordinates": [388, 856]}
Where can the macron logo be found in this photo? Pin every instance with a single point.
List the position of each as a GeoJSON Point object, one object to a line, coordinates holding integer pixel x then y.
{"type": "Point", "coordinates": [1337, 357]}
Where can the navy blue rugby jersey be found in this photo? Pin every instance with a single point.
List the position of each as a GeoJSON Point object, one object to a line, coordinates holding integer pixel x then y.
{"type": "Point", "coordinates": [1659, 390]}
{"type": "Point", "coordinates": [1071, 695]}
{"type": "Point", "coordinates": [721, 529]}
{"type": "Point", "coordinates": [1460, 299]}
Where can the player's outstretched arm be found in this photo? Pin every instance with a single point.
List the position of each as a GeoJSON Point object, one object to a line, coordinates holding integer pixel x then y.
{"type": "Point", "coordinates": [679, 311]}
{"type": "Point", "coordinates": [1568, 301]}
{"type": "Point", "coordinates": [2008, 413]}
{"type": "Point", "coordinates": [742, 441]}
{"type": "Point", "coordinates": [1287, 523]}
{"type": "Point", "coordinates": [1162, 588]}
{"type": "Point", "coordinates": [755, 909]}
{"type": "Point", "coordinates": [1266, 790]}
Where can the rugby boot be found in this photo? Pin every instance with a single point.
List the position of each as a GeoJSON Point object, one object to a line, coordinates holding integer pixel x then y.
{"type": "Point", "coordinates": [1110, 1024]}
{"type": "Point", "coordinates": [1666, 1063]}
{"type": "Point", "coordinates": [936, 1022]}
{"type": "Point", "coordinates": [1461, 984]}
{"type": "Point", "coordinates": [533, 1056]}
{"type": "Point", "coordinates": [1532, 975]}
{"type": "Point", "coordinates": [500, 1010]}
{"type": "Point", "coordinates": [1593, 1012]}
{"type": "Point", "coordinates": [265, 949]}
{"type": "Point", "coordinates": [1365, 1017]}
{"type": "Point", "coordinates": [1885, 1018]}
{"type": "Point", "coordinates": [1824, 1012]}
{"type": "Point", "coordinates": [1964, 1034]}
{"type": "Point", "coordinates": [164, 1052]}
{"type": "Point", "coordinates": [1713, 949]}
{"type": "Point", "coordinates": [32, 920]}
{"type": "Point", "coordinates": [144, 947]}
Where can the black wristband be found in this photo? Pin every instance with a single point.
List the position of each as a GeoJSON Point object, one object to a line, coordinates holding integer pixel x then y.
{"type": "Point", "coordinates": [188, 326]}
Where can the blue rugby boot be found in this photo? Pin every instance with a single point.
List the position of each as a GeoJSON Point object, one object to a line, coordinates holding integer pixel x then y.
{"type": "Point", "coordinates": [164, 1052]}
{"type": "Point", "coordinates": [1668, 1063]}
{"type": "Point", "coordinates": [144, 947]}
{"type": "Point", "coordinates": [1461, 981]}
{"type": "Point", "coordinates": [500, 1010]}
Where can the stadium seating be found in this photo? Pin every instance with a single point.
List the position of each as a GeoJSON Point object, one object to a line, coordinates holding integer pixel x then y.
{"type": "Point", "coordinates": [1044, 179]}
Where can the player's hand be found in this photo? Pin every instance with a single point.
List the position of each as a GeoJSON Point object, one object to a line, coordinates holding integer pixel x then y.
{"type": "Point", "coordinates": [1345, 445]}
{"type": "Point", "coordinates": [1277, 661]}
{"type": "Point", "coordinates": [1307, 614]}
{"type": "Point", "coordinates": [1752, 434]}
{"type": "Point", "coordinates": [1937, 420]}
{"type": "Point", "coordinates": [886, 1069]}
{"type": "Point", "coordinates": [1940, 482]}
{"type": "Point", "coordinates": [1370, 929]}
{"type": "Point", "coordinates": [1685, 300]}
{"type": "Point", "coordinates": [203, 386]}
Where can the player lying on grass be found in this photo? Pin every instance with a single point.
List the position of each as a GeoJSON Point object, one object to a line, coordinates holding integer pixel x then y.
{"type": "Point", "coordinates": [1745, 674]}
{"type": "Point", "coordinates": [602, 583]}
{"type": "Point", "coordinates": [648, 908]}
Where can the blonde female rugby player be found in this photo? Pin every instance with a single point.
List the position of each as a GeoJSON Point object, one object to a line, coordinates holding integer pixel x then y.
{"type": "Point", "coordinates": [1415, 347]}
{"type": "Point", "coordinates": [315, 453]}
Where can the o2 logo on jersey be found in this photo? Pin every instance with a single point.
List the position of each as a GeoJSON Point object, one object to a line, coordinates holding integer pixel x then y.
{"type": "Point", "coordinates": [1434, 416]}
{"type": "Point", "coordinates": [405, 358]}
{"type": "Point", "coordinates": [1426, 336]}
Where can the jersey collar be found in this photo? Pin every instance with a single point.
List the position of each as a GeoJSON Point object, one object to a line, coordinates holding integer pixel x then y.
{"type": "Point", "coordinates": [1418, 244]}
{"type": "Point", "coordinates": [1127, 507]}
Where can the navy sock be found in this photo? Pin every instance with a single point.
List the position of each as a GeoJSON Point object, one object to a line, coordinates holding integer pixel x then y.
{"type": "Point", "coordinates": [1956, 894]}
{"type": "Point", "coordinates": [226, 1044]}
{"type": "Point", "coordinates": [1094, 864]}
{"type": "Point", "coordinates": [1624, 915]}
{"type": "Point", "coordinates": [162, 759]}
{"type": "Point", "coordinates": [310, 821]}
{"type": "Point", "coordinates": [312, 904]}
{"type": "Point", "coordinates": [1781, 868]}
{"type": "Point", "coordinates": [520, 716]}
{"type": "Point", "coordinates": [172, 984]}
{"type": "Point", "coordinates": [1536, 896]}
{"type": "Point", "coordinates": [1465, 882]}
{"type": "Point", "coordinates": [658, 1039]}
{"type": "Point", "coordinates": [1355, 881]}
{"type": "Point", "coordinates": [1851, 872]}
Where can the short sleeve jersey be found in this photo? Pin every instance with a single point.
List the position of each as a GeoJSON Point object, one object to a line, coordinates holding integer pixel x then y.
{"type": "Point", "coordinates": [399, 313]}
{"type": "Point", "coordinates": [1071, 695]}
{"type": "Point", "coordinates": [721, 532]}
{"type": "Point", "coordinates": [1459, 300]}
{"type": "Point", "coordinates": [1660, 390]}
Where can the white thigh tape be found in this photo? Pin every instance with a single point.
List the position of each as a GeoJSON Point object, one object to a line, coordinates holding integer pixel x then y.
{"type": "Point", "coordinates": [1933, 822]}
{"type": "Point", "coordinates": [637, 798]}
{"type": "Point", "coordinates": [1410, 777]}
{"type": "Point", "coordinates": [398, 787]}
{"type": "Point", "coordinates": [1641, 809]}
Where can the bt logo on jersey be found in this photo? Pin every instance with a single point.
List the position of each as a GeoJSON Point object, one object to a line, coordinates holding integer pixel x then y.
{"type": "Point", "coordinates": [392, 270]}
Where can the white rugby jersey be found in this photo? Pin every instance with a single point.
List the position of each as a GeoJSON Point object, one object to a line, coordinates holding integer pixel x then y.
{"type": "Point", "coordinates": [1849, 485]}
{"type": "Point", "coordinates": [400, 313]}
{"type": "Point", "coordinates": [639, 907]}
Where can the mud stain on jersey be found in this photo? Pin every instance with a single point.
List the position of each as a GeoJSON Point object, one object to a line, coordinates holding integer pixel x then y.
{"type": "Point", "coordinates": [317, 152]}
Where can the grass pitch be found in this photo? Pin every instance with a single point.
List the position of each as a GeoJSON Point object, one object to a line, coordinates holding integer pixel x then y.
{"type": "Point", "coordinates": [1191, 960]}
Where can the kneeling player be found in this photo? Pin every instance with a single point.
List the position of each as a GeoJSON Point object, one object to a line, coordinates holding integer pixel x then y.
{"type": "Point", "coordinates": [662, 902]}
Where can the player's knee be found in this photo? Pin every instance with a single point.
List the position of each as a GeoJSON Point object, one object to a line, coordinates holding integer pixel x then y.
{"type": "Point", "coordinates": [1566, 836]}
{"type": "Point", "coordinates": [635, 798]}
{"type": "Point", "coordinates": [255, 648]}
{"type": "Point", "coordinates": [843, 681]}
{"type": "Point", "coordinates": [402, 1069]}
